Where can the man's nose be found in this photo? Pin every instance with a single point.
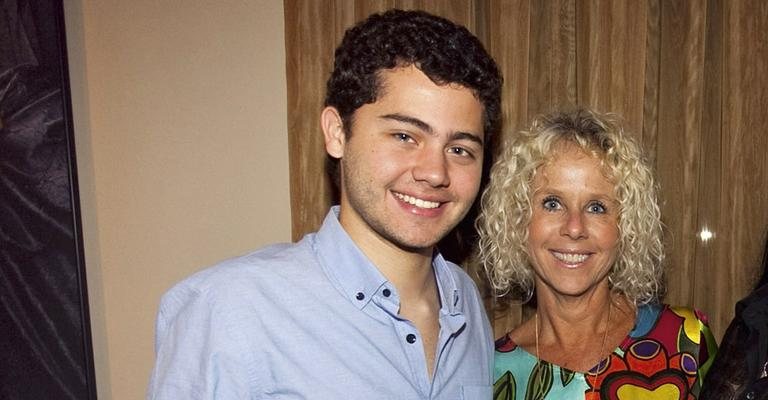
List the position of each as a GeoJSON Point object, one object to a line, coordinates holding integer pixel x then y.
{"type": "Point", "coordinates": [432, 167]}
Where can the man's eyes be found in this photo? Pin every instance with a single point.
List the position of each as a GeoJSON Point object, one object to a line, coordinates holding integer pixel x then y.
{"type": "Point", "coordinates": [457, 150]}
{"type": "Point", "coordinates": [402, 137]}
{"type": "Point", "coordinates": [461, 151]}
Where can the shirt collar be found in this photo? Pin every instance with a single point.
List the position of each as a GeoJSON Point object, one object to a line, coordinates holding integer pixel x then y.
{"type": "Point", "coordinates": [348, 269]}
{"type": "Point", "coordinates": [450, 293]}
{"type": "Point", "coordinates": [358, 279]}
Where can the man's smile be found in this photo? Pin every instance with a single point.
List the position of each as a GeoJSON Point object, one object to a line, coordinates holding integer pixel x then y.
{"type": "Point", "coordinates": [416, 201]}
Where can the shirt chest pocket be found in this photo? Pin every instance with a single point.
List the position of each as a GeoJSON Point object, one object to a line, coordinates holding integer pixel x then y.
{"type": "Point", "coordinates": [476, 392]}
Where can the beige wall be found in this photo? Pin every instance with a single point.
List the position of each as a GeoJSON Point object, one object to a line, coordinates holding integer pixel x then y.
{"type": "Point", "coordinates": [180, 122]}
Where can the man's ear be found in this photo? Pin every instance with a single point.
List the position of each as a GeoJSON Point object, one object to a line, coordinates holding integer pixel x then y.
{"type": "Point", "coordinates": [333, 130]}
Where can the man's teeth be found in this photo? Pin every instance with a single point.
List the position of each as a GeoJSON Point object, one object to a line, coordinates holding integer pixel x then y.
{"type": "Point", "coordinates": [570, 258]}
{"type": "Point", "coordinates": [417, 202]}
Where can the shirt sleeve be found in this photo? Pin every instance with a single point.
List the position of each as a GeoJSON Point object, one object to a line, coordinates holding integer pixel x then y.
{"type": "Point", "coordinates": [198, 353]}
{"type": "Point", "coordinates": [707, 345]}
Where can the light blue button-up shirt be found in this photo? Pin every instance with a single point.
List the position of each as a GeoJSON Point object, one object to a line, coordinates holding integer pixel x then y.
{"type": "Point", "coordinates": [315, 320]}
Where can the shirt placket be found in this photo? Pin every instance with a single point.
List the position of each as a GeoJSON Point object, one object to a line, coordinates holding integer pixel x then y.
{"type": "Point", "coordinates": [451, 322]}
{"type": "Point", "coordinates": [409, 338]}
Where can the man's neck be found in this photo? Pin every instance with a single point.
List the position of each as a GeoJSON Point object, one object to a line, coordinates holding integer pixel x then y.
{"type": "Point", "coordinates": [414, 278]}
{"type": "Point", "coordinates": [410, 273]}
{"type": "Point", "coordinates": [409, 270]}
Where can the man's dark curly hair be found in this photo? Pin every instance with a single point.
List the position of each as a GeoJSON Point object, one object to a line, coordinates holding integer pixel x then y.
{"type": "Point", "coordinates": [444, 51]}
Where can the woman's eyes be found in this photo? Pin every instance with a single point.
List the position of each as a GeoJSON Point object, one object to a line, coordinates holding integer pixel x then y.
{"type": "Point", "coordinates": [553, 204]}
{"type": "Point", "coordinates": [596, 208]}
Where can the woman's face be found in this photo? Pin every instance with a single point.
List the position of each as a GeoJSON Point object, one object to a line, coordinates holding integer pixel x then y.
{"type": "Point", "coordinates": [573, 233]}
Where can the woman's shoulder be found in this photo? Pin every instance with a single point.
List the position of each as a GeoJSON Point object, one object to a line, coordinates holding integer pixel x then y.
{"type": "Point", "coordinates": [652, 317]}
{"type": "Point", "coordinates": [689, 313]}
{"type": "Point", "coordinates": [678, 330]}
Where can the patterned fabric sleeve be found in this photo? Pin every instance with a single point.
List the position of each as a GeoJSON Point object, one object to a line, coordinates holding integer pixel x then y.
{"type": "Point", "coordinates": [707, 346]}
{"type": "Point", "coordinates": [697, 339]}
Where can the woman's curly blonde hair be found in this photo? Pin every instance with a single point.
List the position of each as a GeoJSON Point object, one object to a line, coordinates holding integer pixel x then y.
{"type": "Point", "coordinates": [506, 204]}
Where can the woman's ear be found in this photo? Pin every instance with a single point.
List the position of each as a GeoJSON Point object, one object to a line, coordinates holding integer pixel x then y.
{"type": "Point", "coordinates": [333, 130]}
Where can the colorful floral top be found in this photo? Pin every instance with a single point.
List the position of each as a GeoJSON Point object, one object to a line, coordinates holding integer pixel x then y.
{"type": "Point", "coordinates": [665, 356]}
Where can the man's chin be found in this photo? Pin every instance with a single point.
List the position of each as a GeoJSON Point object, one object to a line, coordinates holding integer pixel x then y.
{"type": "Point", "coordinates": [421, 245]}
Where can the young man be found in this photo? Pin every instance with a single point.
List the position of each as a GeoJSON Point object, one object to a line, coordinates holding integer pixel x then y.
{"type": "Point", "coordinates": [366, 307]}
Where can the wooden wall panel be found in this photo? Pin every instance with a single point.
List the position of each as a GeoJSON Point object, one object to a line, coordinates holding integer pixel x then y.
{"type": "Point", "coordinates": [309, 25]}
{"type": "Point", "coordinates": [552, 63]}
{"type": "Point", "coordinates": [459, 11]}
{"type": "Point", "coordinates": [611, 57]}
{"type": "Point", "coordinates": [688, 76]}
{"type": "Point", "coordinates": [681, 87]}
{"type": "Point", "coordinates": [709, 276]}
{"type": "Point", "coordinates": [650, 129]}
{"type": "Point", "coordinates": [744, 178]}
{"type": "Point", "coordinates": [509, 21]}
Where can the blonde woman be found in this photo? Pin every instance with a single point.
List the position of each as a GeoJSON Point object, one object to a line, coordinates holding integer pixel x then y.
{"type": "Point", "coordinates": [570, 220]}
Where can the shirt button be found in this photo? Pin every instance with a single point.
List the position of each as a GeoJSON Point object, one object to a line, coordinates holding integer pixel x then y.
{"type": "Point", "coordinates": [750, 396]}
{"type": "Point", "coordinates": [411, 338]}
{"type": "Point", "coordinates": [360, 296]}
{"type": "Point", "coordinates": [386, 292]}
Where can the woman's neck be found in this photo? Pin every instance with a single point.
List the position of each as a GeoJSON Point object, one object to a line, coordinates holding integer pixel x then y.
{"type": "Point", "coordinates": [578, 334]}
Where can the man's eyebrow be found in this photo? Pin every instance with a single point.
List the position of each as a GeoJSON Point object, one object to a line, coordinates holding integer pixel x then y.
{"type": "Point", "coordinates": [427, 128]}
{"type": "Point", "coordinates": [467, 136]}
{"type": "Point", "coordinates": [409, 120]}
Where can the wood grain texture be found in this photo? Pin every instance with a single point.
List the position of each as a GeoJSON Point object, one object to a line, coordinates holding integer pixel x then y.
{"type": "Point", "coordinates": [679, 137]}
{"type": "Point", "coordinates": [744, 179]}
{"type": "Point", "coordinates": [650, 118]}
{"type": "Point", "coordinates": [552, 66]}
{"type": "Point", "coordinates": [688, 76]}
{"type": "Point", "coordinates": [707, 263]}
{"type": "Point", "coordinates": [308, 26]}
{"type": "Point", "coordinates": [509, 43]}
{"type": "Point", "coordinates": [611, 57]}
